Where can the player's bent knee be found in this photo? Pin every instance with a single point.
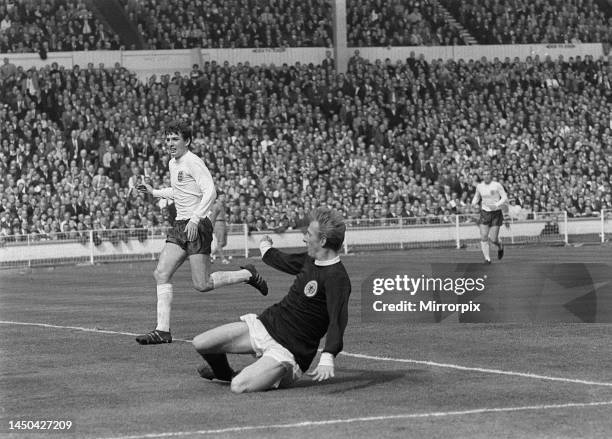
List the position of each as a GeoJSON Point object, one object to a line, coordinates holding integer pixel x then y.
{"type": "Point", "coordinates": [206, 343]}
{"type": "Point", "coordinates": [204, 286]}
{"type": "Point", "coordinates": [160, 276]}
{"type": "Point", "coordinates": [241, 385]}
{"type": "Point", "coordinates": [237, 387]}
{"type": "Point", "coordinates": [199, 343]}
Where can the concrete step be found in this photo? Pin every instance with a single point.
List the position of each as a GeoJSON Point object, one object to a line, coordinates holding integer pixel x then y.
{"type": "Point", "coordinates": [467, 37]}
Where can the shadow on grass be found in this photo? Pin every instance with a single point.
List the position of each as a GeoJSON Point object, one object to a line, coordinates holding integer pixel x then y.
{"type": "Point", "coordinates": [356, 379]}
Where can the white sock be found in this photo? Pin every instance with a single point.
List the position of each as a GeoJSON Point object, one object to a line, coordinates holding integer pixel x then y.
{"type": "Point", "coordinates": [222, 278]}
{"type": "Point", "coordinates": [164, 305]}
{"type": "Point", "coordinates": [484, 245]}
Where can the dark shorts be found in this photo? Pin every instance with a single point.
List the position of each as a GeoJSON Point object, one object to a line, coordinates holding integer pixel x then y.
{"type": "Point", "coordinates": [491, 219]}
{"type": "Point", "coordinates": [200, 245]}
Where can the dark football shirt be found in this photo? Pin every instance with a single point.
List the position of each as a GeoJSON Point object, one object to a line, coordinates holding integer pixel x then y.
{"type": "Point", "coordinates": [317, 303]}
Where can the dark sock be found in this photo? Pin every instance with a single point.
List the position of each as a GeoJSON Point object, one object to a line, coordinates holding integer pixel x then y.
{"type": "Point", "coordinates": [220, 366]}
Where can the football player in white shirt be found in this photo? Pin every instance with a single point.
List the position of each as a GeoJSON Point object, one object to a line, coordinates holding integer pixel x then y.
{"type": "Point", "coordinates": [492, 197]}
{"type": "Point", "coordinates": [193, 192]}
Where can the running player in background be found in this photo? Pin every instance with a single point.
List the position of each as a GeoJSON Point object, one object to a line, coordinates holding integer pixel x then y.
{"type": "Point", "coordinates": [193, 192]}
{"type": "Point", "coordinates": [285, 336]}
{"type": "Point", "coordinates": [492, 198]}
{"type": "Point", "coordinates": [218, 219]}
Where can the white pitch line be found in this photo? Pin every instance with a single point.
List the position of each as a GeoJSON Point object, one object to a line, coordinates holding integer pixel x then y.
{"type": "Point", "coordinates": [478, 369]}
{"type": "Point", "coordinates": [367, 419]}
{"type": "Point", "coordinates": [362, 356]}
{"type": "Point", "coordinates": [79, 328]}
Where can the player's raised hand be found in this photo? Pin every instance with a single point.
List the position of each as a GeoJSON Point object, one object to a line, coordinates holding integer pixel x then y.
{"type": "Point", "coordinates": [191, 229]}
{"type": "Point", "coordinates": [267, 239]}
{"type": "Point", "coordinates": [145, 187]}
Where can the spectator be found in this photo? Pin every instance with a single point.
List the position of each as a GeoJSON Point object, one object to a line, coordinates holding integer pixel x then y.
{"type": "Point", "coordinates": [529, 22]}
{"type": "Point", "coordinates": [7, 69]}
{"type": "Point", "coordinates": [232, 24]}
{"type": "Point", "coordinates": [54, 25]}
{"type": "Point", "coordinates": [399, 23]}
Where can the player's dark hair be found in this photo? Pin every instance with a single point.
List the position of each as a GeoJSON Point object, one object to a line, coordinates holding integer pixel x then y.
{"type": "Point", "coordinates": [181, 127]}
{"type": "Point", "coordinates": [331, 227]}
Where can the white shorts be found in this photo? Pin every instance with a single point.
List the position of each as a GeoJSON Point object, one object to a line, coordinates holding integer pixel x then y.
{"type": "Point", "coordinates": [265, 346]}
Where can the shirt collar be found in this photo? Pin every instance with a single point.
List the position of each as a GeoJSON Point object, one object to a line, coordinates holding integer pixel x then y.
{"type": "Point", "coordinates": [328, 262]}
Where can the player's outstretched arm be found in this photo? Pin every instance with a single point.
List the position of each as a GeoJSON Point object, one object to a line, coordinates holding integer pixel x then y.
{"type": "Point", "coordinates": [290, 263]}
{"type": "Point", "coordinates": [476, 198]}
{"type": "Point", "coordinates": [159, 193]}
{"type": "Point", "coordinates": [145, 188]}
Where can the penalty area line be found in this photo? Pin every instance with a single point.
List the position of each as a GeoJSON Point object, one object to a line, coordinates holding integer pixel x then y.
{"type": "Point", "coordinates": [360, 356]}
{"type": "Point", "coordinates": [368, 419]}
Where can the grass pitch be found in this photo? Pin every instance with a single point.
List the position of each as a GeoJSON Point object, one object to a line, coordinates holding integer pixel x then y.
{"type": "Point", "coordinates": [394, 380]}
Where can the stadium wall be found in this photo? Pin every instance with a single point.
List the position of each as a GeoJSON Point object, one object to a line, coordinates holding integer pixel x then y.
{"type": "Point", "coordinates": [148, 62]}
{"type": "Point", "coordinates": [521, 51]}
{"type": "Point", "coordinates": [30, 252]}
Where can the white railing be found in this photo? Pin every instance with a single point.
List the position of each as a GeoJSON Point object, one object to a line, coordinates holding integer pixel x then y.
{"type": "Point", "coordinates": [606, 225]}
{"type": "Point", "coordinates": [458, 231]}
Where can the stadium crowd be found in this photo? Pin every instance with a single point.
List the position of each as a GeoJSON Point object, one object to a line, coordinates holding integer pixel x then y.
{"type": "Point", "coordinates": [50, 26]}
{"type": "Point", "coordinates": [399, 23]}
{"type": "Point", "coordinates": [383, 141]}
{"type": "Point", "coordinates": [533, 21]}
{"type": "Point", "coordinates": [68, 25]}
{"type": "Point", "coordinates": [186, 24]}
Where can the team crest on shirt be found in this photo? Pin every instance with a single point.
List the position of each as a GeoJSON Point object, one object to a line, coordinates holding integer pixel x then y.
{"type": "Point", "coordinates": [180, 176]}
{"type": "Point", "coordinates": [311, 288]}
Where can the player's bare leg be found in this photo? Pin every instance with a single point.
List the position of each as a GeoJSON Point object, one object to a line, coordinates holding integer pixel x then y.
{"type": "Point", "coordinates": [232, 338]}
{"type": "Point", "coordinates": [214, 344]}
{"type": "Point", "coordinates": [224, 260]}
{"type": "Point", "coordinates": [494, 239]}
{"type": "Point", "coordinates": [484, 242]}
{"type": "Point", "coordinates": [213, 249]}
{"type": "Point", "coordinates": [170, 259]}
{"type": "Point", "coordinates": [259, 376]}
{"type": "Point", "coordinates": [200, 272]}
{"type": "Point", "coordinates": [219, 241]}
{"type": "Point", "coordinates": [204, 281]}
{"type": "Point", "coordinates": [222, 244]}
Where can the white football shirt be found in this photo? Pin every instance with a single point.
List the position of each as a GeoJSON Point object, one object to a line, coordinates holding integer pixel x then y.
{"type": "Point", "coordinates": [493, 196]}
{"type": "Point", "coordinates": [193, 189]}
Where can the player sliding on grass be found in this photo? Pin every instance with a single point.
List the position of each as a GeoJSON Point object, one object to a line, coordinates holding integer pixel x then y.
{"type": "Point", "coordinates": [492, 196]}
{"type": "Point", "coordinates": [286, 336]}
{"type": "Point", "coordinates": [193, 192]}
